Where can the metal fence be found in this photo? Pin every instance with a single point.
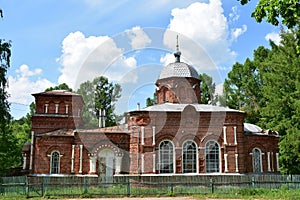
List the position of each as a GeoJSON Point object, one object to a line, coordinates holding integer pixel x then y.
{"type": "Point", "coordinates": [86, 186]}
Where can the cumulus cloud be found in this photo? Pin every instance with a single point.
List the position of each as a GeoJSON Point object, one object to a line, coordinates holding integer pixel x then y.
{"type": "Point", "coordinates": [275, 37]}
{"type": "Point", "coordinates": [84, 58]}
{"type": "Point", "coordinates": [236, 32]}
{"type": "Point", "coordinates": [204, 34]}
{"type": "Point", "coordinates": [21, 86]}
{"type": "Point", "coordinates": [138, 38]}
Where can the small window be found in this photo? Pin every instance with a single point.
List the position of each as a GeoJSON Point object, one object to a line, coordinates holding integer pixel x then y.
{"type": "Point", "coordinates": [189, 157]}
{"type": "Point", "coordinates": [212, 156]}
{"type": "Point", "coordinates": [257, 161]}
{"type": "Point", "coordinates": [55, 162]}
{"type": "Point", "coordinates": [166, 153]}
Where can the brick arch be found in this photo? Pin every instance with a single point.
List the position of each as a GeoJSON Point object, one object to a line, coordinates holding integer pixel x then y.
{"type": "Point", "coordinates": [54, 148]}
{"type": "Point", "coordinates": [167, 137]}
{"type": "Point", "coordinates": [191, 137]}
{"type": "Point", "coordinates": [256, 145]}
{"type": "Point", "coordinates": [106, 144]}
{"type": "Point", "coordinates": [211, 136]}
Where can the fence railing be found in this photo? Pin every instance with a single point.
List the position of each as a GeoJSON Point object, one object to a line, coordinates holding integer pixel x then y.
{"type": "Point", "coordinates": [33, 186]}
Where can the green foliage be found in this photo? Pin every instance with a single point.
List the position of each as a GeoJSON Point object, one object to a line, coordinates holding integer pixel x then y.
{"type": "Point", "coordinates": [207, 89]}
{"type": "Point", "coordinates": [268, 89]}
{"type": "Point", "coordinates": [99, 94]}
{"type": "Point", "coordinates": [151, 101]}
{"type": "Point", "coordinates": [275, 10]}
{"type": "Point", "coordinates": [62, 86]}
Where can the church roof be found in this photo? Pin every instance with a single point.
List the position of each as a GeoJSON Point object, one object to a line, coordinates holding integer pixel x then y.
{"type": "Point", "coordinates": [57, 93]}
{"type": "Point", "coordinates": [178, 69]}
{"type": "Point", "coordinates": [173, 107]}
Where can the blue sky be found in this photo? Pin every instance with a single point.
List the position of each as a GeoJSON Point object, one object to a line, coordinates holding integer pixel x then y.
{"type": "Point", "coordinates": [128, 41]}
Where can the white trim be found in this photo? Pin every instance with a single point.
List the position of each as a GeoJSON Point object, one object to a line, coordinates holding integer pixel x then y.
{"type": "Point", "coordinates": [234, 133]}
{"type": "Point", "coordinates": [277, 161]}
{"type": "Point", "coordinates": [236, 162]}
{"type": "Point", "coordinates": [67, 108]}
{"type": "Point", "coordinates": [46, 107]}
{"type": "Point", "coordinates": [143, 163]}
{"type": "Point", "coordinates": [24, 161]}
{"type": "Point", "coordinates": [226, 162]}
{"type": "Point", "coordinates": [93, 159]}
{"type": "Point", "coordinates": [143, 135]}
{"type": "Point", "coordinates": [56, 107]}
{"type": "Point", "coordinates": [224, 135]}
{"type": "Point", "coordinates": [72, 158]}
{"type": "Point", "coordinates": [269, 161]}
{"type": "Point", "coordinates": [80, 158]}
{"type": "Point", "coordinates": [31, 150]}
{"type": "Point", "coordinates": [153, 135]}
{"type": "Point", "coordinates": [153, 162]}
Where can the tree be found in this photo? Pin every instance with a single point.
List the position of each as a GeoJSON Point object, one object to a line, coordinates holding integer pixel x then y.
{"type": "Point", "coordinates": [62, 86]}
{"type": "Point", "coordinates": [99, 95]}
{"type": "Point", "coordinates": [151, 101]}
{"type": "Point", "coordinates": [8, 155]}
{"type": "Point", "coordinates": [243, 86]}
{"type": "Point", "coordinates": [268, 89]}
{"type": "Point", "coordinates": [207, 89]}
{"type": "Point", "coordinates": [274, 10]}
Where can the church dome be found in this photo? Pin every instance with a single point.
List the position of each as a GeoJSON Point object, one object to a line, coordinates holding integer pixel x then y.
{"type": "Point", "coordinates": [178, 69]}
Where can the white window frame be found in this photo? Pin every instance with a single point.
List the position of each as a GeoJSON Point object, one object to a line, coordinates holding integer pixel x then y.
{"type": "Point", "coordinates": [254, 160]}
{"type": "Point", "coordinates": [51, 162]}
{"type": "Point", "coordinates": [219, 157]}
{"type": "Point", "coordinates": [195, 161]}
{"type": "Point", "coordinates": [172, 160]}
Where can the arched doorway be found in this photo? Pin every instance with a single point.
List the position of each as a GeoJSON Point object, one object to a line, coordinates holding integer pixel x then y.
{"type": "Point", "coordinates": [106, 160]}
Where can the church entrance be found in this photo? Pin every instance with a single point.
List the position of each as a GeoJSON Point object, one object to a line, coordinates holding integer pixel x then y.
{"type": "Point", "coordinates": [106, 164]}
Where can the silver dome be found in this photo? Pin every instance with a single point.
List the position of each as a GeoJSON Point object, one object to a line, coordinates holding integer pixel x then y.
{"type": "Point", "coordinates": [178, 69]}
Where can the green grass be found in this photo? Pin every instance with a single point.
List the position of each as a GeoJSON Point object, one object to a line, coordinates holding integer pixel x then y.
{"type": "Point", "coordinates": [121, 191]}
{"type": "Point", "coordinates": [247, 193]}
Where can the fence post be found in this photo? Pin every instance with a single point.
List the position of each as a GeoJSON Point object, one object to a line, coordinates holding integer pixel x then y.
{"type": "Point", "coordinates": [26, 187]}
{"type": "Point", "coordinates": [85, 186]}
{"type": "Point", "coordinates": [172, 188]}
{"type": "Point", "coordinates": [253, 181]}
{"type": "Point", "coordinates": [1, 188]}
{"type": "Point", "coordinates": [128, 186]}
{"type": "Point", "coordinates": [43, 187]}
{"type": "Point", "coordinates": [212, 185]}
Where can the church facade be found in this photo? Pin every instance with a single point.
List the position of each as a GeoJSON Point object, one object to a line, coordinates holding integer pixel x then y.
{"type": "Point", "coordinates": [178, 135]}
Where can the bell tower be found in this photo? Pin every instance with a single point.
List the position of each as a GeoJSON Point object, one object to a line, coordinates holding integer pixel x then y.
{"type": "Point", "coordinates": [178, 82]}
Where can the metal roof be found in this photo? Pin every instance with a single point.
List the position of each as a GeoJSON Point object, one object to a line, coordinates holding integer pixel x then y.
{"type": "Point", "coordinates": [178, 69]}
{"type": "Point", "coordinates": [173, 107]}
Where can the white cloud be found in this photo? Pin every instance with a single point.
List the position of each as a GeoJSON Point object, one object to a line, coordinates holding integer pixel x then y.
{"type": "Point", "coordinates": [203, 34]}
{"type": "Point", "coordinates": [234, 15]}
{"type": "Point", "coordinates": [138, 37]}
{"type": "Point", "coordinates": [275, 37]}
{"type": "Point", "coordinates": [21, 86]}
{"type": "Point", "coordinates": [235, 33]}
{"type": "Point", "coordinates": [84, 58]}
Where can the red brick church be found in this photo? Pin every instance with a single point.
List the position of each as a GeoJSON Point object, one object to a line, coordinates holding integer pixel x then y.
{"type": "Point", "coordinates": [178, 135]}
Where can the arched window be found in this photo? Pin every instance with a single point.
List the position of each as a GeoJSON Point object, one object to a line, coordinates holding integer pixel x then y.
{"type": "Point", "coordinates": [166, 155]}
{"type": "Point", "coordinates": [256, 160]}
{"type": "Point", "coordinates": [212, 156]}
{"type": "Point", "coordinates": [54, 162]}
{"type": "Point", "coordinates": [189, 157]}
